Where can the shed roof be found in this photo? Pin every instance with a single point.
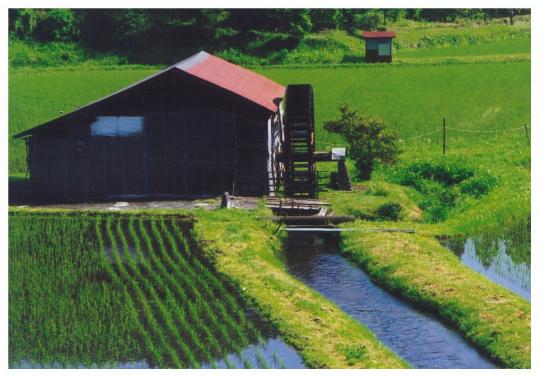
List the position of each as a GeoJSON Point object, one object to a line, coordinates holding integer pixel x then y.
{"type": "Point", "coordinates": [379, 34]}
{"type": "Point", "coordinates": [238, 80]}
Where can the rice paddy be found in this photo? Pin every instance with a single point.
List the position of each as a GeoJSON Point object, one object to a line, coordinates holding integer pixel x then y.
{"type": "Point", "coordinates": [121, 291]}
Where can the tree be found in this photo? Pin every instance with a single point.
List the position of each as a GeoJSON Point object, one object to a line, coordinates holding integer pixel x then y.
{"type": "Point", "coordinates": [57, 25]}
{"type": "Point", "coordinates": [22, 22]}
{"type": "Point", "coordinates": [326, 19]}
{"type": "Point", "coordinates": [370, 141]}
{"type": "Point", "coordinates": [373, 19]}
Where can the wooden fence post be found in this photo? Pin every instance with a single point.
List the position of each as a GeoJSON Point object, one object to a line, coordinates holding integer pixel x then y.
{"type": "Point", "coordinates": [444, 136]}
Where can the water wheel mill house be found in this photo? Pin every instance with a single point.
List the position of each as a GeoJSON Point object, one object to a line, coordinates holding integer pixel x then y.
{"type": "Point", "coordinates": [201, 127]}
{"type": "Point", "coordinates": [378, 46]}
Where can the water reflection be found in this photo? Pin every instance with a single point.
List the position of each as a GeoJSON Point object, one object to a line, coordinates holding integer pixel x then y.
{"type": "Point", "coordinates": [416, 336]}
{"type": "Point", "coordinates": [271, 353]}
{"type": "Point", "coordinates": [492, 258]}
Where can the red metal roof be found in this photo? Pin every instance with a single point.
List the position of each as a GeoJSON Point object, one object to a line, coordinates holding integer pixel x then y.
{"type": "Point", "coordinates": [236, 79]}
{"type": "Point", "coordinates": [379, 34]}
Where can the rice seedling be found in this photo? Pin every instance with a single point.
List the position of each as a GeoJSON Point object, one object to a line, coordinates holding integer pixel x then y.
{"type": "Point", "coordinates": [163, 311]}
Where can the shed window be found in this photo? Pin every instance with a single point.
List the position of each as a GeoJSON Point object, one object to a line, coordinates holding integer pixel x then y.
{"type": "Point", "coordinates": [117, 126]}
{"type": "Point", "coordinates": [384, 48]}
{"type": "Point", "coordinates": [371, 44]}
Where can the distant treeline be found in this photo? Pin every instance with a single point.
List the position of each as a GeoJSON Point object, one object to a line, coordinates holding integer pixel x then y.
{"type": "Point", "coordinates": [214, 29]}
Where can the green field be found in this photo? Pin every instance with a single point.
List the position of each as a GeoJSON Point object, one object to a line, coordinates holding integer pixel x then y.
{"type": "Point", "coordinates": [132, 267]}
{"type": "Point", "coordinates": [103, 290]}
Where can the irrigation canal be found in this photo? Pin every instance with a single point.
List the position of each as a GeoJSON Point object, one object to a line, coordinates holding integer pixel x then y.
{"type": "Point", "coordinates": [415, 335]}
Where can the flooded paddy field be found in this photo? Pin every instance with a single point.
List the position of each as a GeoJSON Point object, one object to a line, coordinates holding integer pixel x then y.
{"type": "Point", "coordinates": [413, 334]}
{"type": "Point", "coordinates": [127, 292]}
{"type": "Point", "coordinates": [503, 259]}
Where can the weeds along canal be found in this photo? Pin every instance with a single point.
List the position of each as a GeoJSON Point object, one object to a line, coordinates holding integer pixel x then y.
{"type": "Point", "coordinates": [413, 334]}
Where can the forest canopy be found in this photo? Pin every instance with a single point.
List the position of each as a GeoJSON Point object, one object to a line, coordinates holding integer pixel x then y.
{"type": "Point", "coordinates": [130, 31]}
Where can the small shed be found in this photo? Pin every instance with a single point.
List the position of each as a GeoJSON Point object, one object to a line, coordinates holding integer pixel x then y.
{"type": "Point", "coordinates": [378, 46]}
{"type": "Point", "coordinates": [200, 127]}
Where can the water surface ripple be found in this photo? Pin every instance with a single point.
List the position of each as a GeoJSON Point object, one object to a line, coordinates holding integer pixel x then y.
{"type": "Point", "coordinates": [415, 335]}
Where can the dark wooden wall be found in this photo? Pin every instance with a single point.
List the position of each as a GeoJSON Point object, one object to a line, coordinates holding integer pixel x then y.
{"type": "Point", "coordinates": [198, 140]}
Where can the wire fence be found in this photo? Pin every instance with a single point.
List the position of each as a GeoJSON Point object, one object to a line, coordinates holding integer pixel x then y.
{"type": "Point", "coordinates": [484, 131]}
{"type": "Point", "coordinates": [444, 131]}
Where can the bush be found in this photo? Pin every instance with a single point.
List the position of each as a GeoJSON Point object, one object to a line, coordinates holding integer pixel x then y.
{"type": "Point", "coordinates": [477, 186]}
{"type": "Point", "coordinates": [371, 20]}
{"type": "Point", "coordinates": [370, 141]}
{"type": "Point", "coordinates": [442, 171]}
{"type": "Point", "coordinates": [441, 183]}
{"type": "Point", "coordinates": [389, 211]}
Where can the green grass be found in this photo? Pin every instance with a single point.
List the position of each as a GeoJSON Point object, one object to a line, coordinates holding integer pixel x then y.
{"type": "Point", "coordinates": [493, 48]}
{"type": "Point", "coordinates": [428, 35]}
{"type": "Point", "coordinates": [88, 288]}
{"type": "Point", "coordinates": [33, 54]}
{"type": "Point", "coordinates": [425, 273]}
{"type": "Point", "coordinates": [367, 199]}
{"type": "Point", "coordinates": [413, 99]}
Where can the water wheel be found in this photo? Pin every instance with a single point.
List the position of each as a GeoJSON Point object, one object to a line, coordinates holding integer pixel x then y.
{"type": "Point", "coordinates": [298, 161]}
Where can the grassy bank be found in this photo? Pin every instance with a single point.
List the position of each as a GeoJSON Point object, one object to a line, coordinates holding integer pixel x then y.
{"type": "Point", "coordinates": [245, 249]}
{"type": "Point", "coordinates": [422, 271]}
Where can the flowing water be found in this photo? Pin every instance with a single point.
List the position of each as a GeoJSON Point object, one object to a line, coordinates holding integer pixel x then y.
{"type": "Point", "coordinates": [415, 335]}
{"type": "Point", "coordinates": [492, 257]}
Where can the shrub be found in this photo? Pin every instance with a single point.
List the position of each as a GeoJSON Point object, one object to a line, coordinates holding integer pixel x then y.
{"type": "Point", "coordinates": [477, 186]}
{"type": "Point", "coordinates": [442, 171]}
{"type": "Point", "coordinates": [441, 183]}
{"type": "Point", "coordinates": [389, 211]}
{"type": "Point", "coordinates": [370, 141]}
{"type": "Point", "coordinates": [437, 204]}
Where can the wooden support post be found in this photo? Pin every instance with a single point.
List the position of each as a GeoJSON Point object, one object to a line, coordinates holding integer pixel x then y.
{"type": "Point", "coordinates": [226, 201]}
{"type": "Point", "coordinates": [527, 134]}
{"type": "Point", "coordinates": [344, 182]}
{"type": "Point", "coordinates": [444, 136]}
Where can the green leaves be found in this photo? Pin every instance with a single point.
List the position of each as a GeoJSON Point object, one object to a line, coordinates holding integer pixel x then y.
{"type": "Point", "coordinates": [370, 142]}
